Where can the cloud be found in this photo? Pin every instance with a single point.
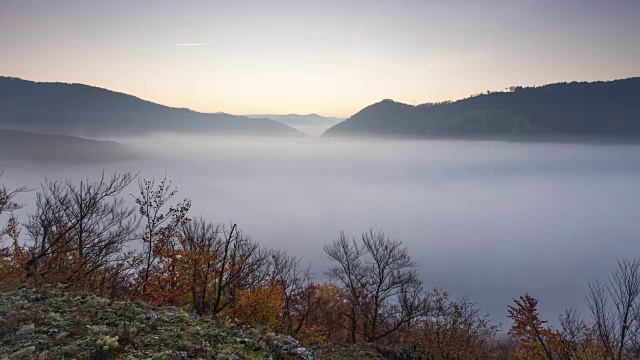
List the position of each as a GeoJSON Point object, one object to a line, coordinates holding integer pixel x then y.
{"type": "Point", "coordinates": [188, 44]}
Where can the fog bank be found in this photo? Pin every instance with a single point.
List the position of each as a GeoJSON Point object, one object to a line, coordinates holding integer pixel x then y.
{"type": "Point", "coordinates": [491, 220]}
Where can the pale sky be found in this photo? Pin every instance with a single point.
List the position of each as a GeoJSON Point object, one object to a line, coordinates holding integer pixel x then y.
{"type": "Point", "coordinates": [329, 57]}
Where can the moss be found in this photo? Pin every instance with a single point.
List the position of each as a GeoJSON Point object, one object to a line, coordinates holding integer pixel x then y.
{"type": "Point", "coordinates": [79, 325]}
{"type": "Point", "coordinates": [82, 325]}
{"type": "Point", "coordinates": [26, 353]}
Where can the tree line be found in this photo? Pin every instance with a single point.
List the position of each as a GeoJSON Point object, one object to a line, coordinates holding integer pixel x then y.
{"type": "Point", "coordinates": [85, 237]}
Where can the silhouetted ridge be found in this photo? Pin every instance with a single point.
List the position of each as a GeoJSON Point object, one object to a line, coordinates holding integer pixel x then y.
{"type": "Point", "coordinates": [86, 110]}
{"type": "Point", "coordinates": [24, 145]}
{"type": "Point", "coordinates": [299, 120]}
{"type": "Point", "coordinates": [312, 124]}
{"type": "Point", "coordinates": [578, 109]}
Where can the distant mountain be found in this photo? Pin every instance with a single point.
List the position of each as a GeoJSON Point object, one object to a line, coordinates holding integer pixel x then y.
{"type": "Point", "coordinates": [577, 110]}
{"type": "Point", "coordinates": [83, 110]}
{"type": "Point", "coordinates": [296, 119]}
{"type": "Point", "coordinates": [23, 145]}
{"type": "Point", "coordinates": [311, 124]}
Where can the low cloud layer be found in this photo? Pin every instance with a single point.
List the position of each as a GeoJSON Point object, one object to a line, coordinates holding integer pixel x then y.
{"type": "Point", "coordinates": [491, 220]}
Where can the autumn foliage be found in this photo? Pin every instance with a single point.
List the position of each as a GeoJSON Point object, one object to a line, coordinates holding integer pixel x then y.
{"type": "Point", "coordinates": [533, 338]}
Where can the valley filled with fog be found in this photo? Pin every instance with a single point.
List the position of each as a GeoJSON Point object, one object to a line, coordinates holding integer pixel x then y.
{"type": "Point", "coordinates": [491, 220]}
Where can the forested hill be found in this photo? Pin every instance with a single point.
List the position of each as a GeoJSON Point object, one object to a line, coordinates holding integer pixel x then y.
{"type": "Point", "coordinates": [76, 109]}
{"type": "Point", "coordinates": [17, 145]}
{"type": "Point", "coordinates": [603, 109]}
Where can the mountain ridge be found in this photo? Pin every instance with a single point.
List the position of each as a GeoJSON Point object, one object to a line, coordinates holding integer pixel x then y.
{"type": "Point", "coordinates": [608, 109]}
{"type": "Point", "coordinates": [311, 124]}
{"type": "Point", "coordinates": [18, 145]}
{"type": "Point", "coordinates": [86, 110]}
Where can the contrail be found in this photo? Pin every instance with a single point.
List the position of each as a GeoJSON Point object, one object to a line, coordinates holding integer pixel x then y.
{"type": "Point", "coordinates": [188, 44]}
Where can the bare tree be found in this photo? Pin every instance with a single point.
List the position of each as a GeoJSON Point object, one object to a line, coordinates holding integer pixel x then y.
{"type": "Point", "coordinates": [215, 264]}
{"type": "Point", "coordinates": [455, 329]}
{"type": "Point", "coordinates": [614, 307]}
{"type": "Point", "coordinates": [349, 273]}
{"type": "Point", "coordinates": [378, 275]}
{"type": "Point", "coordinates": [161, 224]}
{"type": "Point", "coordinates": [82, 227]}
{"type": "Point", "coordinates": [296, 286]}
{"type": "Point", "coordinates": [201, 240]}
{"type": "Point", "coordinates": [242, 265]}
{"type": "Point", "coordinates": [574, 334]}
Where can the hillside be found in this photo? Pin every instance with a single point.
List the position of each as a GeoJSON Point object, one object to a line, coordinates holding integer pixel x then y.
{"type": "Point", "coordinates": [23, 145]}
{"type": "Point", "coordinates": [577, 110]}
{"type": "Point", "coordinates": [299, 120]}
{"type": "Point", "coordinates": [310, 124]}
{"type": "Point", "coordinates": [52, 324]}
{"type": "Point", "coordinates": [82, 110]}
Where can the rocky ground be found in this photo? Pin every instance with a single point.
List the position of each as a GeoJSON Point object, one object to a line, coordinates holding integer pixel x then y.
{"type": "Point", "coordinates": [50, 324]}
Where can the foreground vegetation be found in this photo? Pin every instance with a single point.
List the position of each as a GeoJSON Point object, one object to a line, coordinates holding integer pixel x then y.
{"type": "Point", "coordinates": [52, 324]}
{"type": "Point", "coordinates": [87, 276]}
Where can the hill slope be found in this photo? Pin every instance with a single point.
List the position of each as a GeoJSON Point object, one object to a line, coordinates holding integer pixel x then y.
{"type": "Point", "coordinates": [578, 110]}
{"type": "Point", "coordinates": [311, 124]}
{"type": "Point", "coordinates": [83, 110]}
{"type": "Point", "coordinates": [23, 145]}
{"type": "Point", "coordinates": [299, 120]}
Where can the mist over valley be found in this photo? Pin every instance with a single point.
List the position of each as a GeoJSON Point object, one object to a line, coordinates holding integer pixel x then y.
{"type": "Point", "coordinates": [486, 219]}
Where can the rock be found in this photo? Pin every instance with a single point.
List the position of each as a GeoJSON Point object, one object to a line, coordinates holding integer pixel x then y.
{"type": "Point", "coordinates": [173, 309]}
{"type": "Point", "coordinates": [151, 315]}
{"type": "Point", "coordinates": [237, 333]}
{"type": "Point", "coordinates": [292, 341]}
{"type": "Point", "coordinates": [304, 354]}
{"type": "Point", "coordinates": [227, 357]}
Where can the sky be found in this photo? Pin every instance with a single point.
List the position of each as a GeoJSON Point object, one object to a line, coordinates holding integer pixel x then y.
{"type": "Point", "coordinates": [331, 57]}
